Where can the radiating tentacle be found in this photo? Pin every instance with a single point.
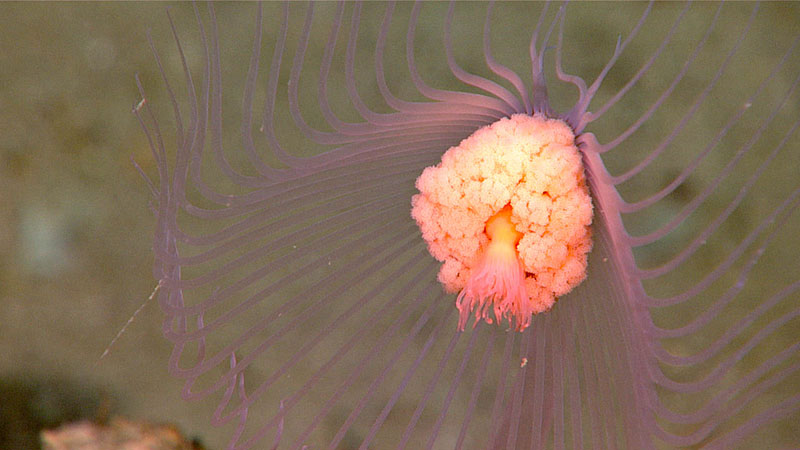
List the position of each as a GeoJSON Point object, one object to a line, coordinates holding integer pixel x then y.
{"type": "Point", "coordinates": [473, 80]}
{"type": "Point", "coordinates": [597, 114]}
{"type": "Point", "coordinates": [577, 115]}
{"type": "Point", "coordinates": [490, 104]}
{"type": "Point", "coordinates": [541, 104]}
{"type": "Point", "coordinates": [669, 90]}
{"type": "Point", "coordinates": [501, 70]}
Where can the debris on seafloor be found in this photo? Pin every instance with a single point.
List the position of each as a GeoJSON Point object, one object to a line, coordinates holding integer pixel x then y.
{"type": "Point", "coordinates": [118, 433]}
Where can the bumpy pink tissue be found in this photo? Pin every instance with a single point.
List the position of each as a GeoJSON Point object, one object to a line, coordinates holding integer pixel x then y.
{"type": "Point", "coordinates": [527, 163]}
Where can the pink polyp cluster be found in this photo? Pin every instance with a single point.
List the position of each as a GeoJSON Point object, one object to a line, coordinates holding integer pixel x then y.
{"type": "Point", "coordinates": [527, 169]}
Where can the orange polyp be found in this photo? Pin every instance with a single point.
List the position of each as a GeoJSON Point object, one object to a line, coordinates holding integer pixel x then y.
{"type": "Point", "coordinates": [499, 279]}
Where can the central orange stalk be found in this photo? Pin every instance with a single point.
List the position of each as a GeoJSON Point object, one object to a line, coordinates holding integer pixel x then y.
{"type": "Point", "coordinates": [499, 279]}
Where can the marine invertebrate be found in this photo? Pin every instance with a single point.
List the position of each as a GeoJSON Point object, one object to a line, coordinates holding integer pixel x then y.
{"type": "Point", "coordinates": [508, 212]}
{"type": "Point", "coordinates": [297, 289]}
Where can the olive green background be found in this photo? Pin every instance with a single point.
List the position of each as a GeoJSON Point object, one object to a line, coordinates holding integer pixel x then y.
{"type": "Point", "coordinates": [75, 226]}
